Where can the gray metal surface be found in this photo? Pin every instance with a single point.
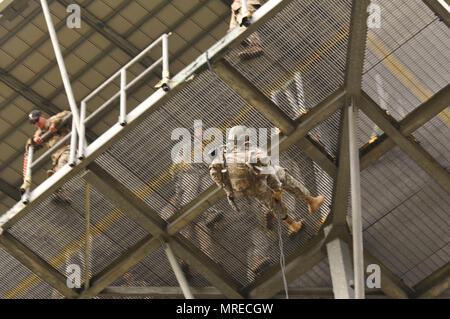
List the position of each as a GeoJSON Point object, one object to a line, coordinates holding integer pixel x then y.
{"type": "Point", "coordinates": [405, 212]}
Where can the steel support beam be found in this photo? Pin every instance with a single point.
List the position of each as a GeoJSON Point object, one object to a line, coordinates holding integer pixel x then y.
{"type": "Point", "coordinates": [339, 203]}
{"type": "Point", "coordinates": [28, 93]}
{"type": "Point", "coordinates": [119, 266]}
{"type": "Point", "coordinates": [184, 285]}
{"type": "Point", "coordinates": [433, 285]}
{"type": "Point", "coordinates": [249, 92]}
{"type": "Point", "coordinates": [418, 117]}
{"type": "Point", "coordinates": [36, 264]}
{"type": "Point", "coordinates": [213, 292]}
{"type": "Point", "coordinates": [341, 268]}
{"type": "Point", "coordinates": [355, 190]}
{"type": "Point", "coordinates": [309, 147]}
{"type": "Point", "coordinates": [298, 263]}
{"type": "Point", "coordinates": [61, 65]}
{"type": "Point", "coordinates": [356, 47]}
{"type": "Point", "coordinates": [439, 10]}
{"type": "Point", "coordinates": [142, 214]}
{"type": "Point", "coordinates": [412, 149]}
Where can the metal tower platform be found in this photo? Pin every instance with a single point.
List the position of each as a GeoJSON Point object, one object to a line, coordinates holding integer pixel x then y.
{"type": "Point", "coordinates": [322, 70]}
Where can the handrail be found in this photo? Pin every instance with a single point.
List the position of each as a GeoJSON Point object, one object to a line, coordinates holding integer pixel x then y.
{"type": "Point", "coordinates": [79, 133]}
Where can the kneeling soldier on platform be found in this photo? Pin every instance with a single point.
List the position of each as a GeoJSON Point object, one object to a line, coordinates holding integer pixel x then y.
{"type": "Point", "coordinates": [61, 156]}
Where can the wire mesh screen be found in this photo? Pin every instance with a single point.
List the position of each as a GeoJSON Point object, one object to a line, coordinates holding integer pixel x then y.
{"type": "Point", "coordinates": [405, 63]}
{"type": "Point", "coordinates": [318, 276]}
{"type": "Point", "coordinates": [405, 217]}
{"type": "Point", "coordinates": [155, 270]}
{"type": "Point", "coordinates": [55, 231]}
{"type": "Point", "coordinates": [434, 137]}
{"type": "Point", "coordinates": [304, 54]}
{"type": "Point", "coordinates": [19, 282]}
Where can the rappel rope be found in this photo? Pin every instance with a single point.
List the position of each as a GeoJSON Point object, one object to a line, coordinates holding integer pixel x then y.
{"type": "Point", "coordinates": [217, 80]}
{"type": "Point", "coordinates": [281, 246]}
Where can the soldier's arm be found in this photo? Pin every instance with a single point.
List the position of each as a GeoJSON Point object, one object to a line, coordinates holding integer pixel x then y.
{"type": "Point", "coordinates": [263, 159]}
{"type": "Point", "coordinates": [215, 171]}
{"type": "Point", "coordinates": [273, 182]}
{"type": "Point", "coordinates": [30, 141]}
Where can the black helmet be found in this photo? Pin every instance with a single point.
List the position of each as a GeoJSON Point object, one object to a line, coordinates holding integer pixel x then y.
{"type": "Point", "coordinates": [34, 116]}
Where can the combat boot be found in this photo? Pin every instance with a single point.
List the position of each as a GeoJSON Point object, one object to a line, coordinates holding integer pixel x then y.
{"type": "Point", "coordinates": [294, 226]}
{"type": "Point", "coordinates": [214, 219]}
{"type": "Point", "coordinates": [252, 47]}
{"type": "Point", "coordinates": [251, 52]}
{"type": "Point", "coordinates": [62, 197]}
{"type": "Point", "coordinates": [314, 203]}
{"type": "Point", "coordinates": [50, 172]}
{"type": "Point", "coordinates": [260, 264]}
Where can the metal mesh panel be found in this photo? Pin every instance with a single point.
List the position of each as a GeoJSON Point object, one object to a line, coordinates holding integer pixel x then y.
{"type": "Point", "coordinates": [304, 51]}
{"type": "Point", "coordinates": [366, 129]}
{"type": "Point", "coordinates": [405, 63]}
{"type": "Point", "coordinates": [14, 275]}
{"type": "Point", "coordinates": [55, 232]}
{"type": "Point", "coordinates": [434, 137]}
{"type": "Point", "coordinates": [241, 237]}
{"type": "Point", "coordinates": [318, 276]}
{"type": "Point", "coordinates": [405, 217]}
{"type": "Point", "coordinates": [155, 270]}
{"type": "Point", "coordinates": [145, 153]}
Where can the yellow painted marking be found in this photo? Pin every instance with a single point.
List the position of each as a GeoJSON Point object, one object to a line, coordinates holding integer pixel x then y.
{"type": "Point", "coordinates": [419, 89]}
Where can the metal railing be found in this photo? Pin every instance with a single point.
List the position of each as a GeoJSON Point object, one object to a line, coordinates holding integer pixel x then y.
{"type": "Point", "coordinates": [77, 136]}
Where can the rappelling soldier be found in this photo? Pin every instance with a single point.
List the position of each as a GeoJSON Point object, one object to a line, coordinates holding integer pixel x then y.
{"type": "Point", "coordinates": [244, 171]}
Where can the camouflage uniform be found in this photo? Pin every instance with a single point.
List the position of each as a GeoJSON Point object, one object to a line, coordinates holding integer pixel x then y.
{"type": "Point", "coordinates": [253, 42]}
{"type": "Point", "coordinates": [61, 156]}
{"type": "Point", "coordinates": [233, 172]}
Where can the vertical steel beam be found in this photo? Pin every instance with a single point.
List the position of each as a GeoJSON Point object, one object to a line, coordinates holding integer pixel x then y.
{"type": "Point", "coordinates": [62, 66]}
{"type": "Point", "coordinates": [355, 190]}
{"type": "Point", "coordinates": [184, 285]}
{"type": "Point", "coordinates": [341, 268]}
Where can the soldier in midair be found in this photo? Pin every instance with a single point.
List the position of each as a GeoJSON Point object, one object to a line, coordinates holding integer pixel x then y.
{"type": "Point", "coordinates": [244, 171]}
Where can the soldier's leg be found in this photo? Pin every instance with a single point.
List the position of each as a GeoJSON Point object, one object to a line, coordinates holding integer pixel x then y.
{"type": "Point", "coordinates": [279, 210]}
{"type": "Point", "coordinates": [295, 187]}
{"type": "Point", "coordinates": [62, 195]}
